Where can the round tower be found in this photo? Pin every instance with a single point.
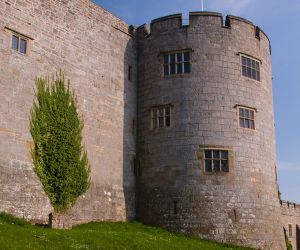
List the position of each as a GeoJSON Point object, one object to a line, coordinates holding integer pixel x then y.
{"type": "Point", "coordinates": [206, 142]}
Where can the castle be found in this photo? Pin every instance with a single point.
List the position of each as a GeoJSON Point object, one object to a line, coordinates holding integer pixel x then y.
{"type": "Point", "coordinates": [179, 124]}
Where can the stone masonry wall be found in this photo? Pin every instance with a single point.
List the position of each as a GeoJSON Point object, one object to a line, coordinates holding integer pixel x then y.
{"type": "Point", "coordinates": [290, 215]}
{"type": "Point", "coordinates": [94, 49]}
{"type": "Point", "coordinates": [241, 207]}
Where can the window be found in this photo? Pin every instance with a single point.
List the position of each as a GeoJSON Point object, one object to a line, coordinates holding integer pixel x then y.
{"type": "Point", "coordinates": [133, 126]}
{"type": "Point", "coordinates": [161, 117]}
{"type": "Point", "coordinates": [247, 118]}
{"type": "Point", "coordinates": [250, 68]}
{"type": "Point", "coordinates": [177, 63]}
{"type": "Point", "coordinates": [129, 73]}
{"type": "Point", "coordinates": [290, 230]}
{"type": "Point", "coordinates": [19, 43]}
{"type": "Point", "coordinates": [136, 167]}
{"type": "Point", "coordinates": [216, 160]}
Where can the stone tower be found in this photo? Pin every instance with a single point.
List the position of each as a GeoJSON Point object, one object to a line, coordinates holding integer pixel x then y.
{"type": "Point", "coordinates": [206, 143]}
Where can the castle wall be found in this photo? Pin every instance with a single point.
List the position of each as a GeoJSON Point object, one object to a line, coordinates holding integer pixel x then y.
{"type": "Point", "coordinates": [290, 215]}
{"type": "Point", "coordinates": [242, 206]}
{"type": "Point", "coordinates": [94, 49]}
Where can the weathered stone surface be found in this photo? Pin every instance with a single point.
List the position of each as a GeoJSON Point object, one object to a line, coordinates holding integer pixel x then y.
{"type": "Point", "coordinates": [291, 222]}
{"type": "Point", "coordinates": [240, 207]}
{"type": "Point", "coordinates": [94, 49]}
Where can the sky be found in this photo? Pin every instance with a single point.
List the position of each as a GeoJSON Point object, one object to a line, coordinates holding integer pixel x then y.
{"type": "Point", "coordinates": [281, 21]}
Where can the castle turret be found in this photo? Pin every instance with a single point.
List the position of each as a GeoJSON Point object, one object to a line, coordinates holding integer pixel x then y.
{"type": "Point", "coordinates": [206, 142]}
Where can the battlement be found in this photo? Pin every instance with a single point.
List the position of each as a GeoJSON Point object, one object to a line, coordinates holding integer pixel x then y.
{"type": "Point", "coordinates": [197, 20]}
{"type": "Point", "coordinates": [290, 205]}
{"type": "Point", "coordinates": [290, 208]}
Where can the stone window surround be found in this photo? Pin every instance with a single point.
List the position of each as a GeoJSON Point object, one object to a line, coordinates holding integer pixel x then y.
{"type": "Point", "coordinates": [240, 54]}
{"type": "Point", "coordinates": [157, 108]}
{"type": "Point", "coordinates": [238, 106]}
{"type": "Point", "coordinates": [178, 51]}
{"type": "Point", "coordinates": [201, 158]}
{"type": "Point", "coordinates": [28, 40]}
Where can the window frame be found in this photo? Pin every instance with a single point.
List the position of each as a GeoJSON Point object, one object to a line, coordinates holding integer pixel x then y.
{"type": "Point", "coordinates": [155, 114]}
{"type": "Point", "coordinates": [202, 158]}
{"type": "Point", "coordinates": [129, 75]}
{"type": "Point", "coordinates": [249, 119]}
{"type": "Point", "coordinates": [258, 71]}
{"type": "Point", "coordinates": [177, 62]}
{"type": "Point", "coordinates": [20, 37]}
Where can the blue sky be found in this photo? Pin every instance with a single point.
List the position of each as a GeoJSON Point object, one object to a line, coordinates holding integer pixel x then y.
{"type": "Point", "coordinates": [281, 21]}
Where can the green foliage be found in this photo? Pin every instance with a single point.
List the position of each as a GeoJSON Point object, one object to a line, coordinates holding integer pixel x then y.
{"type": "Point", "coordinates": [288, 243]}
{"type": "Point", "coordinates": [105, 235]}
{"type": "Point", "coordinates": [9, 219]}
{"type": "Point", "coordinates": [59, 158]}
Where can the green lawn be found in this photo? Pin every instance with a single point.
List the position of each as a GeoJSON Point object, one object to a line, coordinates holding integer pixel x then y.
{"type": "Point", "coordinates": [17, 234]}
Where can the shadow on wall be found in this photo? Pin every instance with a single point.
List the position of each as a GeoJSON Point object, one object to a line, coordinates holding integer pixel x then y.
{"type": "Point", "coordinates": [130, 126]}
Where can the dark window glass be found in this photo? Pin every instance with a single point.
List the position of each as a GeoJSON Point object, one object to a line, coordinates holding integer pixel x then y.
{"type": "Point", "coordinates": [243, 60]}
{"type": "Point", "coordinates": [129, 72]}
{"type": "Point", "coordinates": [208, 165]}
{"type": "Point", "coordinates": [254, 74]}
{"type": "Point", "coordinates": [172, 57]}
{"type": "Point", "coordinates": [246, 118]}
{"type": "Point", "coordinates": [179, 68]}
{"type": "Point", "coordinates": [15, 43]}
{"type": "Point", "coordinates": [177, 63]}
{"type": "Point", "coordinates": [187, 68]}
{"type": "Point", "coordinates": [257, 65]}
{"type": "Point", "coordinates": [166, 70]}
{"type": "Point", "coordinates": [161, 117]}
{"type": "Point", "coordinates": [216, 161]}
{"type": "Point", "coordinates": [252, 124]}
{"type": "Point", "coordinates": [208, 154]}
{"type": "Point", "coordinates": [250, 68]}
{"type": "Point", "coordinates": [249, 72]}
{"type": "Point", "coordinates": [244, 70]}
{"type": "Point", "coordinates": [168, 121]}
{"type": "Point", "coordinates": [246, 113]}
{"type": "Point", "coordinates": [187, 56]}
{"type": "Point", "coordinates": [224, 166]}
{"type": "Point", "coordinates": [166, 59]}
{"type": "Point", "coordinates": [23, 46]}
{"type": "Point", "coordinates": [179, 57]}
{"type": "Point", "coordinates": [173, 69]}
{"type": "Point", "coordinates": [216, 154]}
{"type": "Point", "coordinates": [217, 166]}
{"type": "Point", "coordinates": [248, 62]}
{"type": "Point", "coordinates": [224, 154]}
{"type": "Point", "coordinates": [241, 111]}
{"type": "Point", "coordinates": [167, 110]}
{"type": "Point", "coordinates": [242, 122]}
{"type": "Point", "coordinates": [247, 123]}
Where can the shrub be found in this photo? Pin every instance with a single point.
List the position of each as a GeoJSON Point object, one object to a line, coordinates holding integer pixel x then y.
{"type": "Point", "coordinates": [60, 160]}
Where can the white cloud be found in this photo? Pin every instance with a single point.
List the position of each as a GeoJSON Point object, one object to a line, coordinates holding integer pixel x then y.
{"type": "Point", "coordinates": [236, 7]}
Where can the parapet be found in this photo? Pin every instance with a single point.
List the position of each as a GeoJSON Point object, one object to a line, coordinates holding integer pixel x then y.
{"type": "Point", "coordinates": [290, 208]}
{"type": "Point", "coordinates": [173, 23]}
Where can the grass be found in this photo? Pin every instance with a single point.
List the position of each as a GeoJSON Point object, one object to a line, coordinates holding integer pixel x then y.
{"type": "Point", "coordinates": [18, 234]}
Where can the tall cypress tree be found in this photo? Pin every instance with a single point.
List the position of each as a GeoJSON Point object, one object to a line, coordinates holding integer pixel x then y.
{"type": "Point", "coordinates": [60, 160]}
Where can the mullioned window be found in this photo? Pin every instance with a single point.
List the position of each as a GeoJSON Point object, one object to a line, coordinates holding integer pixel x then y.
{"type": "Point", "coordinates": [177, 63]}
